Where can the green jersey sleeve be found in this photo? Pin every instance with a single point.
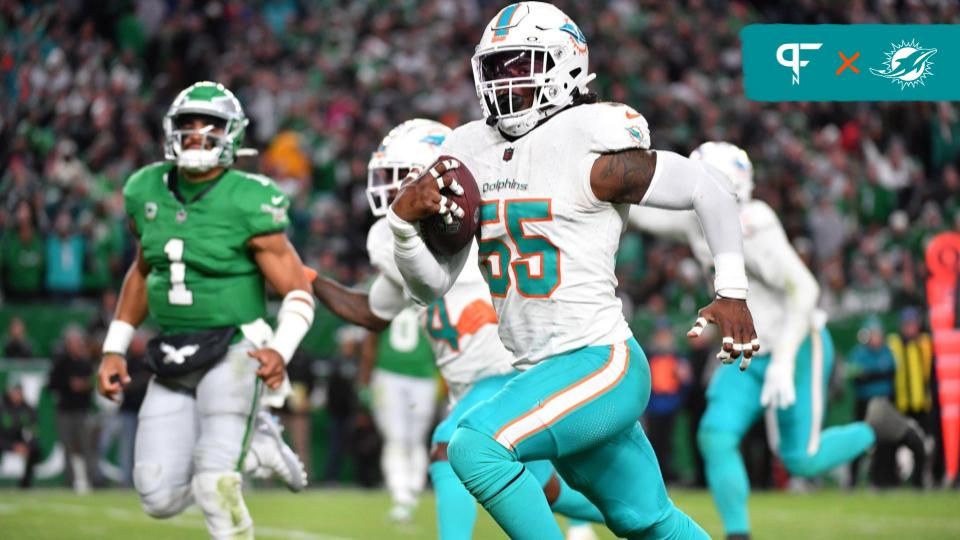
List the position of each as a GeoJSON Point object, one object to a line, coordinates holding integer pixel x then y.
{"type": "Point", "coordinates": [263, 205]}
{"type": "Point", "coordinates": [136, 190]}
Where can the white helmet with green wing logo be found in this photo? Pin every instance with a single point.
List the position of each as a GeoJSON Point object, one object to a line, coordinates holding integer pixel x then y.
{"type": "Point", "coordinates": [221, 136]}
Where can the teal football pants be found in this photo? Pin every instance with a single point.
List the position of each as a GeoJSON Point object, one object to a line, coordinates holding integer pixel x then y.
{"type": "Point", "coordinates": [580, 411]}
{"type": "Point", "coordinates": [733, 405]}
{"type": "Point", "coordinates": [456, 507]}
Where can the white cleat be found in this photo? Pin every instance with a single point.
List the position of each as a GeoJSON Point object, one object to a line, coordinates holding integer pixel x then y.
{"type": "Point", "coordinates": [401, 513]}
{"type": "Point", "coordinates": [272, 453]}
{"type": "Point", "coordinates": [581, 532]}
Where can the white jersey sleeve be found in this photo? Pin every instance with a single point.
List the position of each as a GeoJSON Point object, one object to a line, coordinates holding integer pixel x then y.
{"type": "Point", "coordinates": [617, 127]}
{"type": "Point", "coordinates": [380, 250]}
{"type": "Point", "coordinates": [387, 298]}
{"type": "Point", "coordinates": [783, 294]}
{"type": "Point", "coordinates": [681, 225]}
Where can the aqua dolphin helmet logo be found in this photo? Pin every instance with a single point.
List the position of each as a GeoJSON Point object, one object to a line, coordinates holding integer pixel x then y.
{"type": "Point", "coordinates": [907, 64]}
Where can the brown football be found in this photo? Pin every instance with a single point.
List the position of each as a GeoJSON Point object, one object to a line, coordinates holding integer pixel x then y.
{"type": "Point", "coordinates": [448, 239]}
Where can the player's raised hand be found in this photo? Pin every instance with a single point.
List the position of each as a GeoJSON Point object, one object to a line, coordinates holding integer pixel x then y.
{"type": "Point", "coordinates": [420, 196]}
{"type": "Point", "coordinates": [112, 376]}
{"type": "Point", "coordinates": [272, 368]}
{"type": "Point", "coordinates": [736, 326]}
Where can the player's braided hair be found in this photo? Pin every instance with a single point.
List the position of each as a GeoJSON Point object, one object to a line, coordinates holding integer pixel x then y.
{"type": "Point", "coordinates": [584, 99]}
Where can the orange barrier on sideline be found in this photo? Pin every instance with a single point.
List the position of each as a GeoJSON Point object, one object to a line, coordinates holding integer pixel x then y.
{"type": "Point", "coordinates": [943, 263]}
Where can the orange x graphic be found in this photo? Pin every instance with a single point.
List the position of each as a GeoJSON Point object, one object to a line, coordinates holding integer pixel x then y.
{"type": "Point", "coordinates": [848, 62]}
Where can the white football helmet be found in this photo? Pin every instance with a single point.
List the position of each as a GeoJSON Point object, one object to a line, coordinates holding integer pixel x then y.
{"type": "Point", "coordinates": [732, 161]}
{"type": "Point", "coordinates": [414, 144]}
{"type": "Point", "coordinates": [210, 101]}
{"type": "Point", "coordinates": [529, 47]}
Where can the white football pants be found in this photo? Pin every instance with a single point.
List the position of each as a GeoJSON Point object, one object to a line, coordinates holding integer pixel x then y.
{"type": "Point", "coordinates": [403, 410]}
{"type": "Point", "coordinates": [192, 436]}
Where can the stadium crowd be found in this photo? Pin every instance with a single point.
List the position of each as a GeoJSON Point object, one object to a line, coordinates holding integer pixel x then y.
{"type": "Point", "coordinates": [860, 188]}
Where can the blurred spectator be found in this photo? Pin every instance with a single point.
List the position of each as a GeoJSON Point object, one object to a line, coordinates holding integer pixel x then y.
{"type": "Point", "coordinates": [18, 422]}
{"type": "Point", "coordinates": [71, 382]}
{"type": "Point", "coordinates": [671, 376]}
{"type": "Point", "coordinates": [894, 170]}
{"type": "Point", "coordinates": [913, 351]}
{"type": "Point", "coordinates": [22, 256]}
{"type": "Point", "coordinates": [944, 137]}
{"type": "Point", "coordinates": [871, 367]}
{"type": "Point", "coordinates": [703, 363]}
{"type": "Point", "coordinates": [118, 421]}
{"type": "Point", "coordinates": [65, 250]}
{"type": "Point", "coordinates": [108, 424]}
{"type": "Point", "coordinates": [133, 395]}
{"type": "Point", "coordinates": [342, 406]}
{"type": "Point", "coordinates": [100, 320]}
{"type": "Point", "coordinates": [828, 228]}
{"type": "Point", "coordinates": [687, 294]}
{"type": "Point", "coordinates": [295, 415]}
{"type": "Point", "coordinates": [866, 292]}
{"type": "Point", "coordinates": [18, 344]}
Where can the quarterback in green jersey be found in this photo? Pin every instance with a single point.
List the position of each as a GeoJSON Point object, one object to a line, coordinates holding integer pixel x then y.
{"type": "Point", "coordinates": [210, 238]}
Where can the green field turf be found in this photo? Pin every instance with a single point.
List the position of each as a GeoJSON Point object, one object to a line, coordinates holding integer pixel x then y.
{"type": "Point", "coordinates": [346, 514]}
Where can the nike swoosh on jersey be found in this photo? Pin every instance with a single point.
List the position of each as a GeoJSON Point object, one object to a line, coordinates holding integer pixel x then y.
{"type": "Point", "coordinates": [631, 116]}
{"type": "Point", "coordinates": [276, 200]}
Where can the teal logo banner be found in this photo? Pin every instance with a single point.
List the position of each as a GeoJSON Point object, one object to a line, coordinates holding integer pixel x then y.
{"type": "Point", "coordinates": [851, 62]}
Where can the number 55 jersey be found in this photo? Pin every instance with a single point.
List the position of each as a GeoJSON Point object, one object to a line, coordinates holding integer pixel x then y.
{"type": "Point", "coordinates": [194, 238]}
{"type": "Point", "coordinates": [546, 243]}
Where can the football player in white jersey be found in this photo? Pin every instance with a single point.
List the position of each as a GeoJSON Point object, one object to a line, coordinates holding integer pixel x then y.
{"type": "Point", "coordinates": [557, 173]}
{"type": "Point", "coordinates": [791, 380]}
{"type": "Point", "coordinates": [462, 327]}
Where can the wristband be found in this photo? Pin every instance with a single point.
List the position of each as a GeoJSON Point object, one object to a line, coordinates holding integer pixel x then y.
{"type": "Point", "coordinates": [293, 321]}
{"type": "Point", "coordinates": [119, 335]}
{"type": "Point", "coordinates": [731, 278]}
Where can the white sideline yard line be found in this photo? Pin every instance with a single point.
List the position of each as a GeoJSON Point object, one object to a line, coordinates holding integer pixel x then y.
{"type": "Point", "coordinates": [182, 521]}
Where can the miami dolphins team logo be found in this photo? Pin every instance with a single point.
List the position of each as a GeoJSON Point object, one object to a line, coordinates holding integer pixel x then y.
{"type": "Point", "coordinates": [576, 36]}
{"type": "Point", "coordinates": [907, 64]}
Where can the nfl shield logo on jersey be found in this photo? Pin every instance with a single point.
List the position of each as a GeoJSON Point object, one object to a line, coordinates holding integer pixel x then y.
{"type": "Point", "coordinates": [150, 210]}
{"type": "Point", "coordinates": [508, 154]}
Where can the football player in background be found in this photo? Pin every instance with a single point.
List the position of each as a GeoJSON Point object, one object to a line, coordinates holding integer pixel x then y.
{"type": "Point", "coordinates": [557, 173]}
{"type": "Point", "coordinates": [210, 236]}
{"type": "Point", "coordinates": [462, 327]}
{"type": "Point", "coordinates": [791, 381]}
{"type": "Point", "coordinates": [397, 381]}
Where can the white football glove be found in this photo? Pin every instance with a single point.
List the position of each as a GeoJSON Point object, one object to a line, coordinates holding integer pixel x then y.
{"type": "Point", "coordinates": [779, 389]}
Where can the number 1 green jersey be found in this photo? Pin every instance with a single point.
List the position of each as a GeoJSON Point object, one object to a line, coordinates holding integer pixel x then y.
{"type": "Point", "coordinates": [202, 274]}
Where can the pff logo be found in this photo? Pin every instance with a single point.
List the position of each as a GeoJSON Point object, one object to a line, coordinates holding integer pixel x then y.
{"type": "Point", "coordinates": [794, 62]}
{"type": "Point", "coordinates": [907, 64]}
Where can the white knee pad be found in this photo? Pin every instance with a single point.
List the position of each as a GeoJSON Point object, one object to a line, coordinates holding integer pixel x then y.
{"type": "Point", "coordinates": [220, 496]}
{"type": "Point", "coordinates": [157, 497]}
